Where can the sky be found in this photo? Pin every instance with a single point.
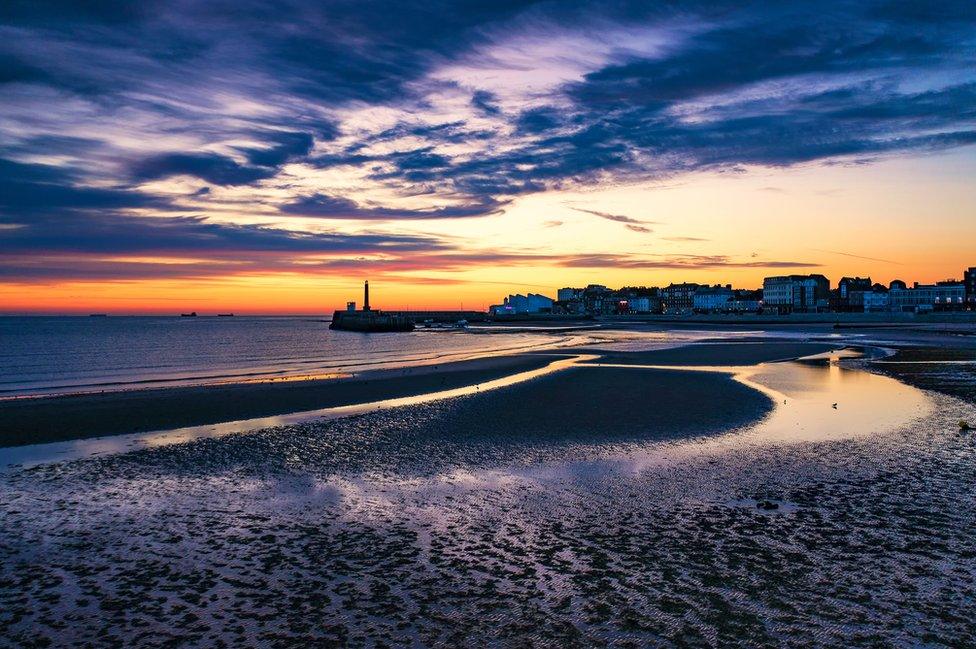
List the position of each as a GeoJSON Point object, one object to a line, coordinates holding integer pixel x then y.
{"type": "Point", "coordinates": [266, 157]}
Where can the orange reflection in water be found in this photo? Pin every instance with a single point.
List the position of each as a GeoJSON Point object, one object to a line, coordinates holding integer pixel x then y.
{"type": "Point", "coordinates": [815, 403]}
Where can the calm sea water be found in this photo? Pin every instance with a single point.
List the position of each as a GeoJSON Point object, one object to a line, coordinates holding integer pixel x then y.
{"type": "Point", "coordinates": [43, 355]}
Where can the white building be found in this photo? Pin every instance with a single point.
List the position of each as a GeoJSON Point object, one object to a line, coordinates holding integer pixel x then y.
{"type": "Point", "coordinates": [712, 298]}
{"type": "Point", "coordinates": [515, 304]}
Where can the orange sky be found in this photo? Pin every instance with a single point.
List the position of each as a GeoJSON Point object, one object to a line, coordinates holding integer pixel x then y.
{"type": "Point", "coordinates": [910, 218]}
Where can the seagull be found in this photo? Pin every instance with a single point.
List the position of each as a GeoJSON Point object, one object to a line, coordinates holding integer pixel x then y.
{"type": "Point", "coordinates": [835, 406]}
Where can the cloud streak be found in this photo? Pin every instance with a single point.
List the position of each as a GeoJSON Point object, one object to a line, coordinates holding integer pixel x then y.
{"type": "Point", "coordinates": [335, 207]}
{"type": "Point", "coordinates": [636, 225]}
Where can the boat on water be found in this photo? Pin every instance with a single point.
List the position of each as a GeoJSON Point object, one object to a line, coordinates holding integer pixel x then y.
{"type": "Point", "coordinates": [368, 320]}
{"type": "Point", "coordinates": [192, 314]}
{"type": "Point", "coordinates": [225, 315]}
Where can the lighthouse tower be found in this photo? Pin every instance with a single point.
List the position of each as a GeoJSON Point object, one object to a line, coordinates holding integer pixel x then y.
{"type": "Point", "coordinates": [366, 296]}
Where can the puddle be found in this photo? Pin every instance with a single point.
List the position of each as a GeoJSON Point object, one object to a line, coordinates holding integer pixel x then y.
{"type": "Point", "coordinates": [823, 402]}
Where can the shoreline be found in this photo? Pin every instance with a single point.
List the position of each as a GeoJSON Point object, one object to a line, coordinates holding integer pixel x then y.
{"type": "Point", "coordinates": [44, 420]}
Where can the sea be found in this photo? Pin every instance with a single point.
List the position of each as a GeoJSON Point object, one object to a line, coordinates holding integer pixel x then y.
{"type": "Point", "coordinates": [64, 355]}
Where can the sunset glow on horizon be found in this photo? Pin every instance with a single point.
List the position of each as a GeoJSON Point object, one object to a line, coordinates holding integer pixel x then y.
{"type": "Point", "coordinates": [164, 159]}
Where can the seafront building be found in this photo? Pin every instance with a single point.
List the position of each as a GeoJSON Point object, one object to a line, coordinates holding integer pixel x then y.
{"type": "Point", "coordinates": [679, 298]}
{"type": "Point", "coordinates": [712, 299]}
{"type": "Point", "coordinates": [796, 293]}
{"type": "Point", "coordinates": [519, 304]}
{"type": "Point", "coordinates": [841, 298]}
{"type": "Point", "coordinates": [638, 300]}
{"type": "Point", "coordinates": [746, 301]}
{"type": "Point", "coordinates": [639, 305]}
{"type": "Point", "coordinates": [569, 294]}
{"type": "Point", "coordinates": [949, 295]}
{"type": "Point", "coordinates": [872, 301]}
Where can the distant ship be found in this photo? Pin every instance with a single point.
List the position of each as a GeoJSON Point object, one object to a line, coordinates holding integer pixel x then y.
{"type": "Point", "coordinates": [192, 314]}
{"type": "Point", "coordinates": [225, 315]}
{"type": "Point", "coordinates": [367, 320]}
{"type": "Point", "coordinates": [97, 315]}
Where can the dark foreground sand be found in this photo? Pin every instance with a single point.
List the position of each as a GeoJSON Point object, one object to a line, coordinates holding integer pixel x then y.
{"type": "Point", "coordinates": [581, 509]}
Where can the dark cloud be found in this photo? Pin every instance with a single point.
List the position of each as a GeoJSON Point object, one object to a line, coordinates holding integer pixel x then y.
{"type": "Point", "coordinates": [914, 13]}
{"type": "Point", "coordinates": [638, 228]}
{"type": "Point", "coordinates": [335, 207]}
{"type": "Point", "coordinates": [778, 43]}
{"type": "Point", "coordinates": [443, 133]}
{"type": "Point", "coordinates": [627, 118]}
{"type": "Point", "coordinates": [421, 159]}
{"type": "Point", "coordinates": [184, 235]}
{"type": "Point", "coordinates": [485, 102]}
{"type": "Point", "coordinates": [211, 167]}
{"type": "Point", "coordinates": [337, 52]}
{"type": "Point", "coordinates": [15, 70]}
{"type": "Point", "coordinates": [27, 189]}
{"type": "Point", "coordinates": [537, 120]}
{"type": "Point", "coordinates": [284, 147]}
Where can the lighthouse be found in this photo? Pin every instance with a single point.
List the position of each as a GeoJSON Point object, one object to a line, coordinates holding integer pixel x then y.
{"type": "Point", "coordinates": [367, 320]}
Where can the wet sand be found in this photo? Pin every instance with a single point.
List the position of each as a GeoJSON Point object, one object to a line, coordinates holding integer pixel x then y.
{"type": "Point", "coordinates": [596, 506]}
{"type": "Point", "coordinates": [600, 505]}
{"type": "Point", "coordinates": [719, 353]}
{"type": "Point", "coordinates": [51, 419]}
{"type": "Point", "coordinates": [948, 370]}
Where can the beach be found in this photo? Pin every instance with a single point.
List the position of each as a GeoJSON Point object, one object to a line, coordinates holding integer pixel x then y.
{"type": "Point", "coordinates": [77, 416]}
{"type": "Point", "coordinates": [713, 493]}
